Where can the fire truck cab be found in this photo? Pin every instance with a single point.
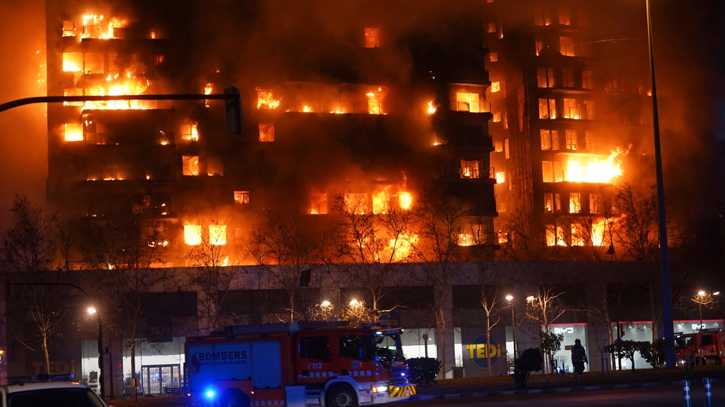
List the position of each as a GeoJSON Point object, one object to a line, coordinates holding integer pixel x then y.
{"type": "Point", "coordinates": [703, 348]}
{"type": "Point", "coordinates": [296, 365]}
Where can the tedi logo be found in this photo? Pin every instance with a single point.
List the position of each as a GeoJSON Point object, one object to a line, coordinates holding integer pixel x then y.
{"type": "Point", "coordinates": [479, 351]}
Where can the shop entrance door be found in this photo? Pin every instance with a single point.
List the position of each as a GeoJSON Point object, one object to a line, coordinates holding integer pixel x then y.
{"type": "Point", "coordinates": [155, 379]}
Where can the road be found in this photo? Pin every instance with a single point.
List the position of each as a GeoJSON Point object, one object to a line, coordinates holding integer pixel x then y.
{"type": "Point", "coordinates": [642, 397]}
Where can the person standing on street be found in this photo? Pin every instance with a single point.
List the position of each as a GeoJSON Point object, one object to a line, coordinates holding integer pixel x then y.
{"type": "Point", "coordinates": [578, 358]}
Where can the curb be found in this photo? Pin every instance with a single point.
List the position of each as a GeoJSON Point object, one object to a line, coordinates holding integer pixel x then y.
{"type": "Point", "coordinates": [526, 392]}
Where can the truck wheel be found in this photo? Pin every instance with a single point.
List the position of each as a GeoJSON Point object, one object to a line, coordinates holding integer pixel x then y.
{"type": "Point", "coordinates": [341, 396]}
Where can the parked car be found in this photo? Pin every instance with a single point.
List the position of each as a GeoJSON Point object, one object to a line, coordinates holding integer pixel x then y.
{"type": "Point", "coordinates": [45, 390]}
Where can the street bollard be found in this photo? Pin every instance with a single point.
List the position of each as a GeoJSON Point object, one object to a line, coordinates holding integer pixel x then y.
{"type": "Point", "coordinates": [708, 391]}
{"type": "Point", "coordinates": [686, 393]}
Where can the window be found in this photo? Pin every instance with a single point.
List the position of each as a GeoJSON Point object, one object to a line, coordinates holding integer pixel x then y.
{"type": "Point", "coordinates": [588, 138]}
{"type": "Point", "coordinates": [190, 165]}
{"type": "Point", "coordinates": [69, 28]}
{"type": "Point", "coordinates": [498, 146]}
{"type": "Point", "coordinates": [218, 235]}
{"type": "Point", "coordinates": [241, 197]}
{"type": "Point", "coordinates": [190, 132]}
{"type": "Point", "coordinates": [266, 132]}
{"type": "Point", "coordinates": [577, 237]}
{"type": "Point", "coordinates": [552, 171]}
{"type": "Point", "coordinates": [192, 235]}
{"type": "Point", "coordinates": [318, 203]}
{"type": "Point", "coordinates": [500, 177]}
{"type": "Point", "coordinates": [575, 202]}
{"type": "Point", "coordinates": [539, 45]}
{"type": "Point", "coordinates": [570, 140]}
{"type": "Point", "coordinates": [315, 347]}
{"type": "Point", "coordinates": [587, 79]}
{"type": "Point", "coordinates": [566, 46]}
{"type": "Point", "coordinates": [549, 139]}
{"type": "Point", "coordinates": [72, 62]}
{"type": "Point", "coordinates": [595, 203]}
{"type": "Point", "coordinates": [491, 27]}
{"type": "Point", "coordinates": [73, 131]}
{"type": "Point", "coordinates": [505, 119]}
{"type": "Point", "coordinates": [353, 346]}
{"type": "Point", "coordinates": [589, 109]}
{"type": "Point", "coordinates": [564, 16]}
{"type": "Point", "coordinates": [470, 169]}
{"type": "Point", "coordinates": [493, 57]}
{"type": "Point", "coordinates": [495, 87]}
{"type": "Point", "coordinates": [372, 37]}
{"type": "Point", "coordinates": [497, 117]}
{"type": "Point", "coordinates": [545, 77]}
{"type": "Point", "coordinates": [549, 203]}
{"type": "Point", "coordinates": [467, 102]}
{"type": "Point", "coordinates": [557, 202]}
{"type": "Point", "coordinates": [571, 109]}
{"type": "Point", "coordinates": [567, 77]}
{"type": "Point", "coordinates": [93, 62]}
{"type": "Point", "coordinates": [547, 109]}
{"type": "Point", "coordinates": [555, 235]}
{"type": "Point", "coordinates": [542, 16]}
{"type": "Point", "coordinates": [506, 148]}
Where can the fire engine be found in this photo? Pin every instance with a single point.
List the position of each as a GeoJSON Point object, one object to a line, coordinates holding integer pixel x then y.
{"type": "Point", "coordinates": [297, 365]}
{"type": "Point", "coordinates": [706, 347]}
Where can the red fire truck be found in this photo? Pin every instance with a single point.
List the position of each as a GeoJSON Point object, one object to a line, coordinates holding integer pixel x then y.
{"type": "Point", "coordinates": [297, 365]}
{"type": "Point", "coordinates": [702, 348]}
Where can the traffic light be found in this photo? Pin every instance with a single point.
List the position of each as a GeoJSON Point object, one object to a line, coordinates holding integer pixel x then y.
{"type": "Point", "coordinates": [234, 111]}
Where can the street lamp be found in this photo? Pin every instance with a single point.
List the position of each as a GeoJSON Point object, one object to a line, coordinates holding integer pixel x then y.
{"type": "Point", "coordinates": [325, 305]}
{"type": "Point", "coordinates": [669, 329]}
{"type": "Point", "coordinates": [703, 298]}
{"type": "Point", "coordinates": [510, 299]}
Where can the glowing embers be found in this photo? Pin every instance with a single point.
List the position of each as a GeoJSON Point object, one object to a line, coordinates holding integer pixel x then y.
{"type": "Point", "coordinates": [96, 26]}
{"type": "Point", "coordinates": [318, 203]}
{"type": "Point", "coordinates": [73, 131]}
{"type": "Point", "coordinates": [266, 99]}
{"type": "Point", "coordinates": [375, 100]}
{"type": "Point", "coordinates": [192, 235]}
{"type": "Point", "coordinates": [218, 235]}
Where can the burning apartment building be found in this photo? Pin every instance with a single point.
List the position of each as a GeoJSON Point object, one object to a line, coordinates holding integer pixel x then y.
{"type": "Point", "coordinates": [509, 119]}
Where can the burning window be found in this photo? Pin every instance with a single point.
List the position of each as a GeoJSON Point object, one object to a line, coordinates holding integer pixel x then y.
{"type": "Point", "coordinates": [190, 131]}
{"type": "Point", "coordinates": [587, 79]}
{"type": "Point", "coordinates": [493, 57]}
{"type": "Point", "coordinates": [577, 235]}
{"type": "Point", "coordinates": [93, 62]}
{"type": "Point", "coordinates": [357, 203]}
{"type": "Point", "coordinates": [595, 203]}
{"type": "Point", "coordinates": [318, 203]}
{"type": "Point", "coordinates": [571, 109]}
{"type": "Point", "coordinates": [502, 237]}
{"type": "Point", "coordinates": [266, 100]}
{"type": "Point", "coordinates": [547, 109]}
{"type": "Point", "coordinates": [588, 139]}
{"type": "Point", "coordinates": [539, 46]}
{"type": "Point", "coordinates": [467, 99]}
{"type": "Point", "coordinates": [555, 235]}
{"type": "Point", "coordinates": [73, 132]}
{"type": "Point", "coordinates": [498, 146]}
{"type": "Point", "coordinates": [545, 77]}
{"type": "Point", "coordinates": [69, 28]}
{"type": "Point", "coordinates": [470, 169]}
{"type": "Point", "coordinates": [564, 16]}
{"type": "Point", "coordinates": [95, 26]}
{"type": "Point", "coordinates": [570, 140]}
{"type": "Point", "coordinates": [192, 235]}
{"type": "Point", "coordinates": [589, 109]}
{"type": "Point", "coordinates": [552, 203]}
{"type": "Point", "coordinates": [552, 171]}
{"type": "Point", "coordinates": [549, 139]}
{"type": "Point", "coordinates": [500, 177]}
{"type": "Point", "coordinates": [381, 201]}
{"type": "Point", "coordinates": [575, 202]}
{"type": "Point", "coordinates": [491, 27]}
{"type": "Point", "coordinates": [567, 77]}
{"type": "Point", "coordinates": [375, 100]}
{"type": "Point", "coordinates": [495, 87]}
{"type": "Point", "coordinates": [241, 197]}
{"type": "Point", "coordinates": [72, 62]}
{"type": "Point", "coordinates": [266, 132]}
{"type": "Point", "coordinates": [218, 235]}
{"type": "Point", "coordinates": [506, 148]}
{"type": "Point", "coordinates": [542, 16]}
{"type": "Point", "coordinates": [405, 200]}
{"type": "Point", "coordinates": [372, 37]}
{"type": "Point", "coordinates": [497, 117]}
{"type": "Point", "coordinates": [190, 165]}
{"type": "Point", "coordinates": [566, 46]}
{"type": "Point", "coordinates": [214, 167]}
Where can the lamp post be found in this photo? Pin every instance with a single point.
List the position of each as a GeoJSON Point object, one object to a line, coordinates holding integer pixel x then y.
{"type": "Point", "coordinates": [703, 298]}
{"type": "Point", "coordinates": [100, 329]}
{"type": "Point", "coordinates": [669, 329]}
{"type": "Point", "coordinates": [510, 298]}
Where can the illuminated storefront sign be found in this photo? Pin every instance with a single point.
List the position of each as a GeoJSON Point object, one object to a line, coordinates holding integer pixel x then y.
{"type": "Point", "coordinates": [479, 351]}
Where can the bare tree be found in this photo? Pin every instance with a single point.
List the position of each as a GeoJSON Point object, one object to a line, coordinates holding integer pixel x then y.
{"type": "Point", "coordinates": [525, 238]}
{"type": "Point", "coordinates": [286, 247]}
{"type": "Point", "coordinates": [489, 302]}
{"type": "Point", "coordinates": [544, 308]}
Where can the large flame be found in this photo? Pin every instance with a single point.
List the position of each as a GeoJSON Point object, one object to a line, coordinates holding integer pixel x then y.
{"type": "Point", "coordinates": [405, 200]}
{"type": "Point", "coordinates": [95, 26]}
{"type": "Point", "coordinates": [431, 109]}
{"type": "Point", "coordinates": [73, 132]}
{"type": "Point", "coordinates": [218, 235]}
{"type": "Point", "coordinates": [118, 85]}
{"type": "Point", "coordinates": [381, 200]}
{"type": "Point", "coordinates": [375, 100]}
{"type": "Point", "coordinates": [266, 100]}
{"type": "Point", "coordinates": [192, 235]}
{"type": "Point", "coordinates": [595, 168]}
{"type": "Point", "coordinates": [403, 245]}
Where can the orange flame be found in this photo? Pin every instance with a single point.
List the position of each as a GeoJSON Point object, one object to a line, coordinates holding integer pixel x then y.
{"type": "Point", "coordinates": [266, 100]}
{"type": "Point", "coordinates": [192, 235]}
{"type": "Point", "coordinates": [73, 132]}
{"type": "Point", "coordinates": [218, 235]}
{"type": "Point", "coordinates": [375, 101]}
{"type": "Point", "coordinates": [403, 245]}
{"type": "Point", "coordinates": [405, 199]}
{"type": "Point", "coordinates": [94, 27]}
{"type": "Point", "coordinates": [431, 109]}
{"type": "Point", "coordinates": [599, 169]}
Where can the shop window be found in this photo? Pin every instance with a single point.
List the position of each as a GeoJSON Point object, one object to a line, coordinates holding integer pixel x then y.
{"type": "Point", "coordinates": [493, 57]}
{"type": "Point", "coordinates": [470, 169]}
{"type": "Point", "coordinates": [241, 197]}
{"type": "Point", "coordinates": [566, 46]}
{"type": "Point", "coordinates": [190, 165]}
{"type": "Point", "coordinates": [545, 77]}
{"type": "Point", "coordinates": [571, 140]}
{"type": "Point", "coordinates": [575, 203]}
{"type": "Point", "coordinates": [315, 347]}
{"type": "Point", "coordinates": [266, 132]}
{"type": "Point", "coordinates": [372, 37]}
{"type": "Point", "coordinates": [571, 109]}
{"type": "Point", "coordinates": [567, 77]}
{"type": "Point", "coordinates": [564, 16]}
{"type": "Point", "coordinates": [218, 235]}
{"type": "Point", "coordinates": [547, 109]}
{"type": "Point", "coordinates": [587, 79]}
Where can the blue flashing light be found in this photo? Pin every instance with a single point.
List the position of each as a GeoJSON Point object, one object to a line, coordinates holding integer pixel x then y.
{"type": "Point", "coordinates": [403, 374]}
{"type": "Point", "coordinates": [209, 394]}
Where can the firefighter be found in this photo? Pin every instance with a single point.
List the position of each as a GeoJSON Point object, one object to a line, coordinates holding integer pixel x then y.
{"type": "Point", "coordinates": [578, 358]}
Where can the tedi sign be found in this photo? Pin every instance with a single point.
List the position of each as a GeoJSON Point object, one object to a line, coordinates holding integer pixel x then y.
{"type": "Point", "coordinates": [480, 351]}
